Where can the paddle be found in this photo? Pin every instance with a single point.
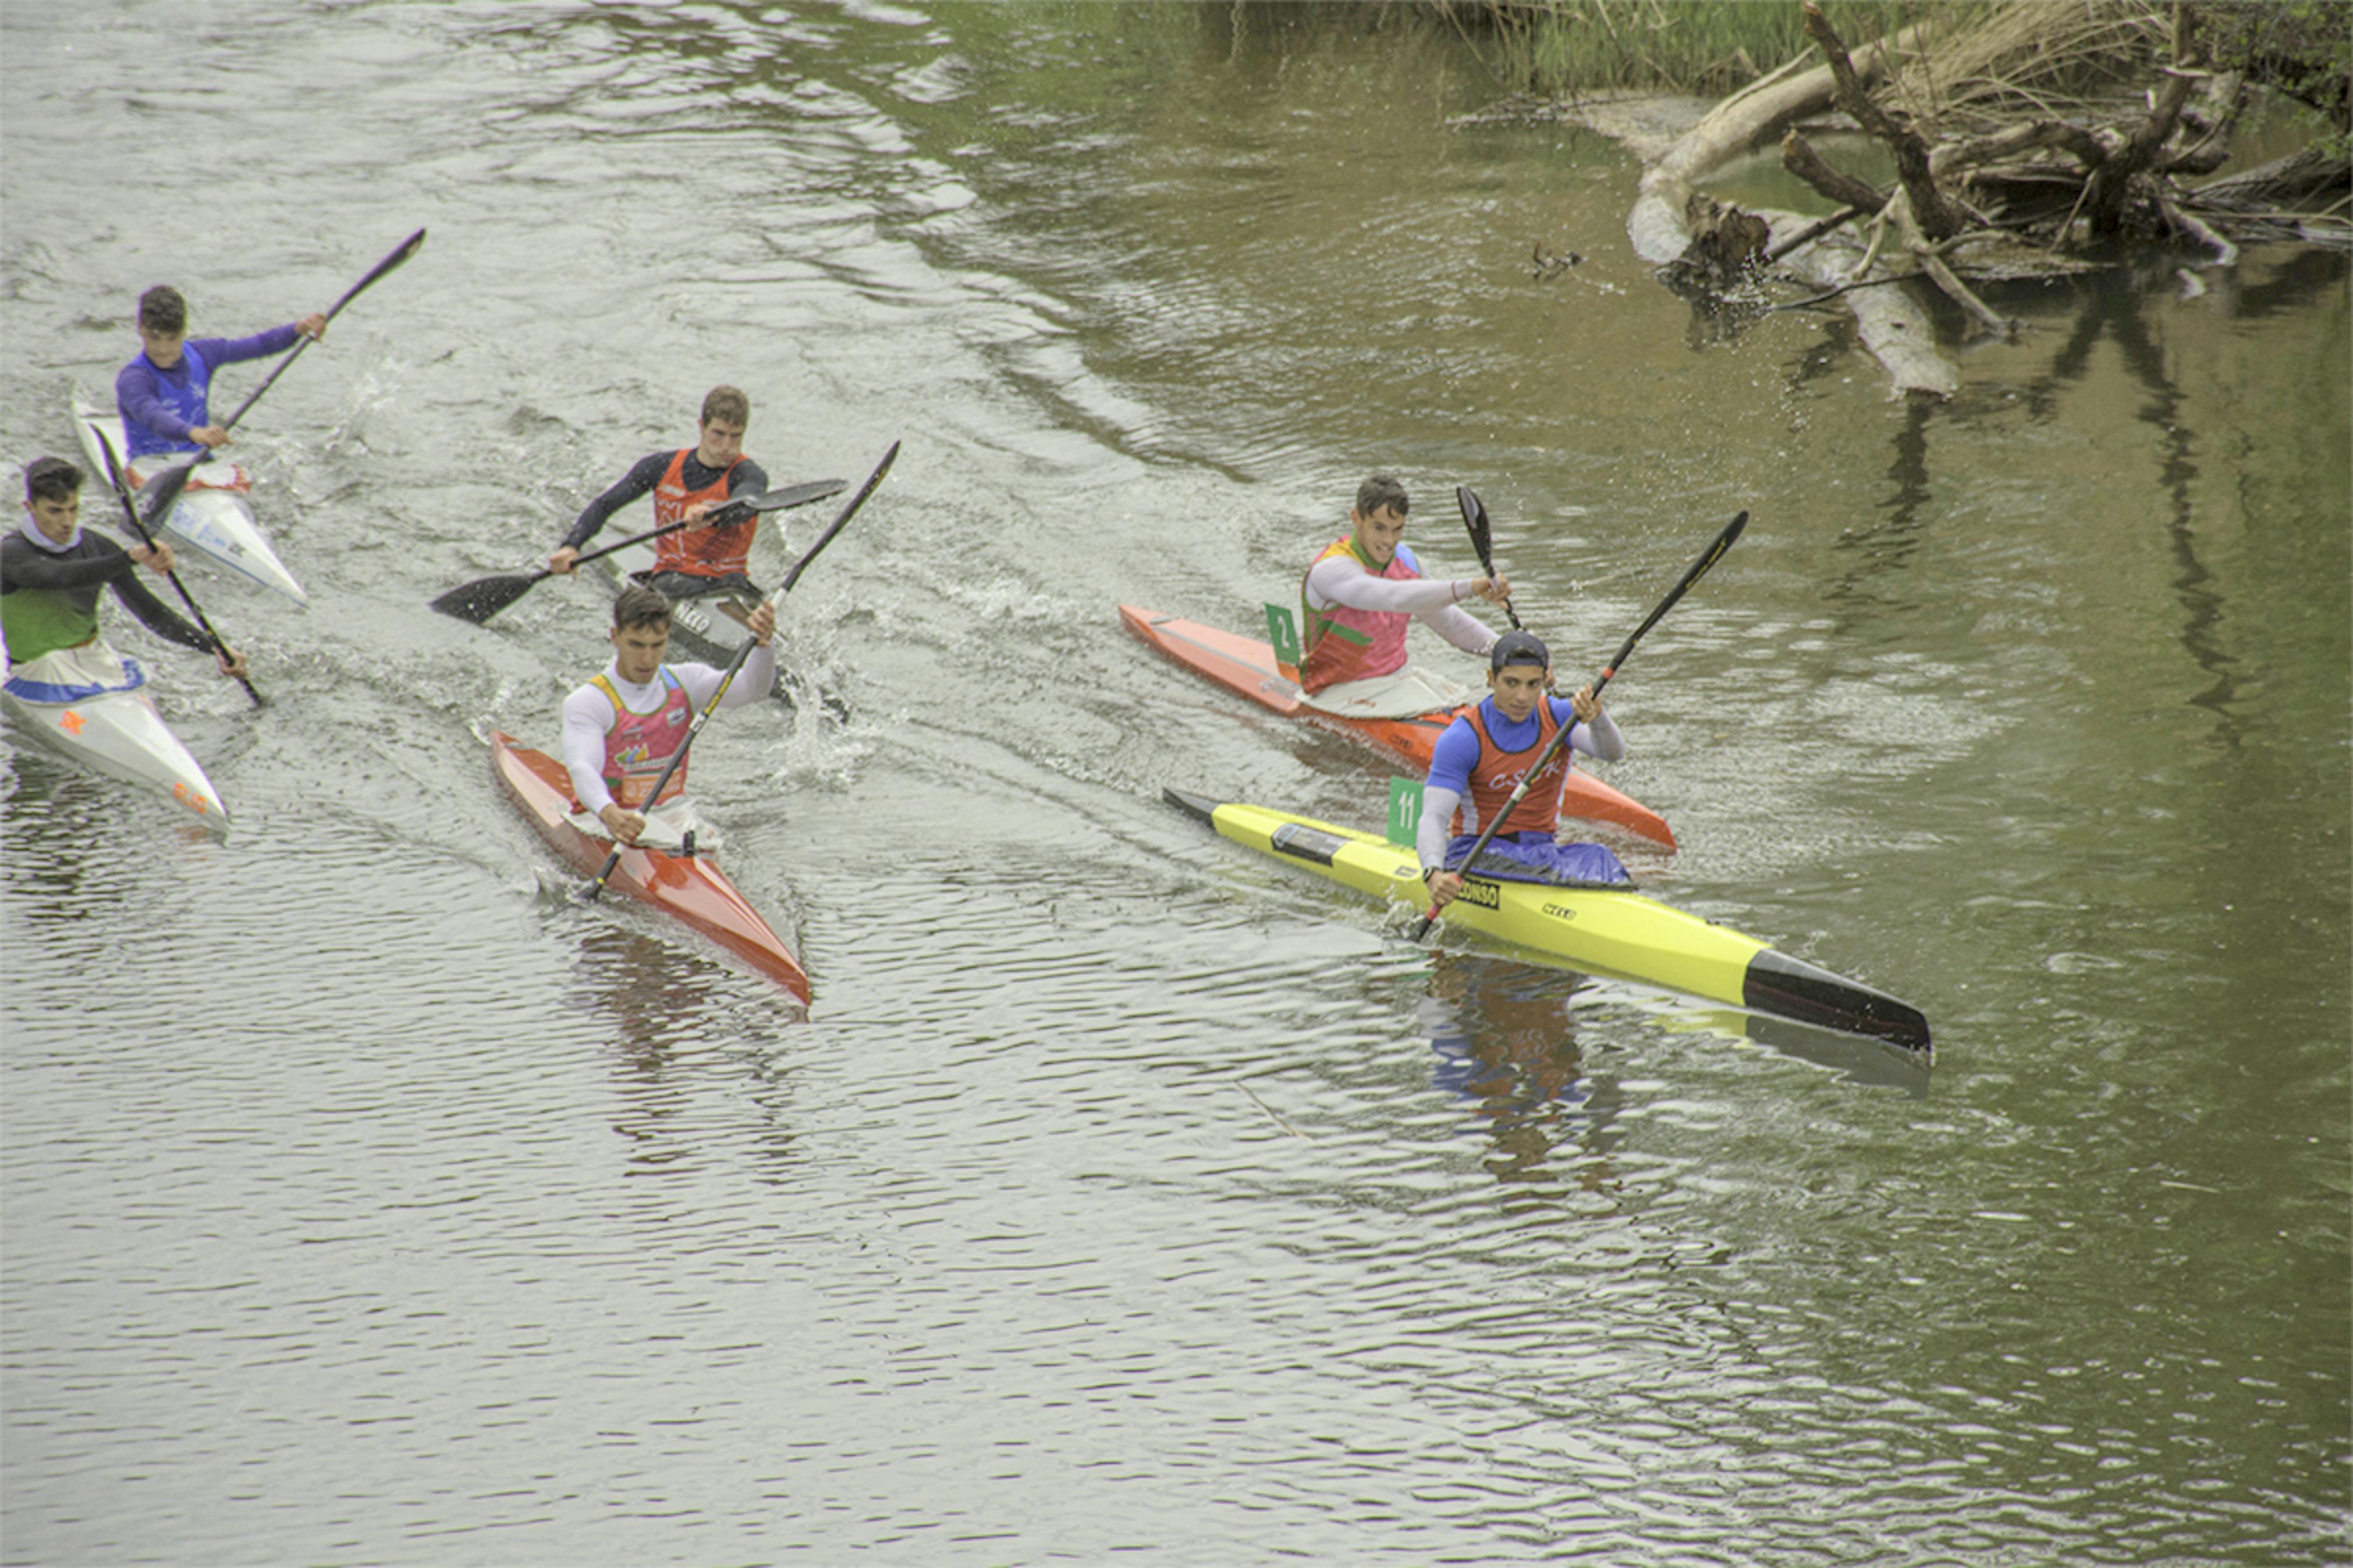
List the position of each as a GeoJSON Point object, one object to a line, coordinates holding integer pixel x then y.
{"type": "Point", "coordinates": [407, 248]}
{"type": "Point", "coordinates": [588, 894]}
{"type": "Point", "coordinates": [1708, 557]}
{"type": "Point", "coordinates": [167, 494]}
{"type": "Point", "coordinates": [485, 596]}
{"type": "Point", "coordinates": [1474, 518]}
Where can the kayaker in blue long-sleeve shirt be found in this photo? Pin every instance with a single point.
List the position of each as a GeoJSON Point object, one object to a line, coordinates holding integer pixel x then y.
{"type": "Point", "coordinates": [162, 395]}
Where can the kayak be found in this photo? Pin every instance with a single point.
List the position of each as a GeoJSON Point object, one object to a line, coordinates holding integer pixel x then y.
{"type": "Point", "coordinates": [1609, 932]}
{"type": "Point", "coordinates": [214, 517]}
{"type": "Point", "coordinates": [1248, 666]}
{"type": "Point", "coordinates": [687, 886]}
{"type": "Point", "coordinates": [89, 703]}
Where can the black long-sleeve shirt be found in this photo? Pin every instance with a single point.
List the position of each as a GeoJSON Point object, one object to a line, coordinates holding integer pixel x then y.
{"type": "Point", "coordinates": [48, 599]}
{"type": "Point", "coordinates": [746, 479]}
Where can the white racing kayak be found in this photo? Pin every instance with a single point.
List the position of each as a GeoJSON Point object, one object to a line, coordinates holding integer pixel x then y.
{"type": "Point", "coordinates": [214, 517]}
{"type": "Point", "coordinates": [89, 703]}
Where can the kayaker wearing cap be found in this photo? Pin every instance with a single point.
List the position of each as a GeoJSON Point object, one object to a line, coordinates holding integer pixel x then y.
{"type": "Point", "coordinates": [1484, 754]}
{"type": "Point", "coordinates": [624, 726]}
{"type": "Point", "coordinates": [686, 485]}
{"type": "Point", "coordinates": [51, 571]}
{"type": "Point", "coordinates": [162, 395]}
{"type": "Point", "coordinates": [1355, 603]}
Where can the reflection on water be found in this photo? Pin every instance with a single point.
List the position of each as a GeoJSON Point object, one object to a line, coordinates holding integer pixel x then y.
{"type": "Point", "coordinates": [333, 1152]}
{"type": "Point", "coordinates": [1505, 1036]}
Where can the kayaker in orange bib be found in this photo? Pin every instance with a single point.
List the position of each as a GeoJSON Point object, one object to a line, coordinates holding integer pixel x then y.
{"type": "Point", "coordinates": [1480, 759]}
{"type": "Point", "coordinates": [624, 726]}
{"type": "Point", "coordinates": [687, 485]}
{"type": "Point", "coordinates": [1355, 603]}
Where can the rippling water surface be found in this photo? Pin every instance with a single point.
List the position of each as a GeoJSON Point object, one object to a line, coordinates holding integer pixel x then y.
{"type": "Point", "coordinates": [367, 1201]}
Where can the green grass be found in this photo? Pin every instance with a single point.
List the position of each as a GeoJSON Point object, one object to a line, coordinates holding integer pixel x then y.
{"type": "Point", "coordinates": [1564, 47]}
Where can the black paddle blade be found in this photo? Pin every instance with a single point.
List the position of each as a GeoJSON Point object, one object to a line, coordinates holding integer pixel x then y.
{"type": "Point", "coordinates": [401, 252]}
{"type": "Point", "coordinates": [1482, 538]}
{"type": "Point", "coordinates": [1474, 521]}
{"type": "Point", "coordinates": [162, 492]}
{"type": "Point", "coordinates": [485, 596]}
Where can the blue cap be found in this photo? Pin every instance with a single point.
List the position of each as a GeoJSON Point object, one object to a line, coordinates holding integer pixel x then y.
{"type": "Point", "coordinates": [1518, 648]}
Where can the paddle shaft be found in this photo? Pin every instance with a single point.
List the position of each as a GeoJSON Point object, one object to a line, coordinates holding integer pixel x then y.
{"type": "Point", "coordinates": [481, 599]}
{"type": "Point", "coordinates": [771, 501]}
{"type": "Point", "coordinates": [167, 494]}
{"type": "Point", "coordinates": [677, 758]}
{"type": "Point", "coordinates": [407, 248]}
{"type": "Point", "coordinates": [1708, 557]}
{"type": "Point", "coordinates": [1474, 519]}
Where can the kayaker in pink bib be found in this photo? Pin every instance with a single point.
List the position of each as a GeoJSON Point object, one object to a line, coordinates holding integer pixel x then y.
{"type": "Point", "coordinates": [622, 727]}
{"type": "Point", "coordinates": [1361, 592]}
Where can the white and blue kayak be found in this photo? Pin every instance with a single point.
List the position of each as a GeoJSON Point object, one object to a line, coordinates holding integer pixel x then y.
{"type": "Point", "coordinates": [214, 517]}
{"type": "Point", "coordinates": [89, 703]}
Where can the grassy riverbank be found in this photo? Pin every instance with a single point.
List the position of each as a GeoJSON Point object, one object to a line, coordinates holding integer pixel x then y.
{"type": "Point", "coordinates": [1562, 48]}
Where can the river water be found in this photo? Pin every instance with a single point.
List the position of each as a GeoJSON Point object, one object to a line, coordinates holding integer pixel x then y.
{"type": "Point", "coordinates": [367, 1202]}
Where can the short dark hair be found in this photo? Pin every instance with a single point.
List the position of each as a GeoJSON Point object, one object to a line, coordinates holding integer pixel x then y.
{"type": "Point", "coordinates": [161, 310]}
{"type": "Point", "coordinates": [1381, 491]}
{"type": "Point", "coordinates": [727, 403]}
{"type": "Point", "coordinates": [638, 606]}
{"type": "Point", "coordinates": [51, 479]}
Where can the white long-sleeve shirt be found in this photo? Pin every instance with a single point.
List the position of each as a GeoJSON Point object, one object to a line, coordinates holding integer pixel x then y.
{"type": "Point", "coordinates": [1436, 601]}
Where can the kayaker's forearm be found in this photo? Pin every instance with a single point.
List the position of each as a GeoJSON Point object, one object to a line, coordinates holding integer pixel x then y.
{"type": "Point", "coordinates": [135, 399]}
{"type": "Point", "coordinates": [158, 616]}
{"type": "Point", "coordinates": [1464, 629]}
{"type": "Point", "coordinates": [1341, 580]}
{"type": "Point", "coordinates": [1600, 739]}
{"type": "Point", "coordinates": [1436, 826]}
{"type": "Point", "coordinates": [755, 680]}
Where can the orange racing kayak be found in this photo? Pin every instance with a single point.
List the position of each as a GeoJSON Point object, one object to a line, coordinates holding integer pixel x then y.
{"type": "Point", "coordinates": [1247, 666]}
{"type": "Point", "coordinates": [690, 888]}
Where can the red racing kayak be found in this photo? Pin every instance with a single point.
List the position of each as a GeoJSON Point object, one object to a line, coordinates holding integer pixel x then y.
{"type": "Point", "coordinates": [690, 888]}
{"type": "Point", "coordinates": [1248, 666]}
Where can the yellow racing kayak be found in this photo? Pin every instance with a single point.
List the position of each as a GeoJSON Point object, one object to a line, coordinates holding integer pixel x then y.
{"type": "Point", "coordinates": [1603, 931]}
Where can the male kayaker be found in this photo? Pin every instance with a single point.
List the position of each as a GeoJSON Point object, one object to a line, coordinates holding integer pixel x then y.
{"type": "Point", "coordinates": [622, 727]}
{"type": "Point", "coordinates": [163, 394]}
{"type": "Point", "coordinates": [1485, 752]}
{"type": "Point", "coordinates": [686, 485]}
{"type": "Point", "coordinates": [1355, 603]}
{"type": "Point", "coordinates": [52, 570]}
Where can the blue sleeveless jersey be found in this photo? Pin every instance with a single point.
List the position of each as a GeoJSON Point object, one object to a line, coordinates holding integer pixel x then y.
{"type": "Point", "coordinates": [186, 398]}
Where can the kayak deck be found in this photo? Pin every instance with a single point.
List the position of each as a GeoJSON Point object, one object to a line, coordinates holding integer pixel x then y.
{"type": "Point", "coordinates": [1247, 667]}
{"type": "Point", "coordinates": [1608, 931]}
{"type": "Point", "coordinates": [689, 888]}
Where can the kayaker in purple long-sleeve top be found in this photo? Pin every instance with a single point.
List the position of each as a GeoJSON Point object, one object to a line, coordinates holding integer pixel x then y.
{"type": "Point", "coordinates": [162, 395]}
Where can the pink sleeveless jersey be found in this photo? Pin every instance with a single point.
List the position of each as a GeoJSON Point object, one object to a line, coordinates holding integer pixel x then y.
{"type": "Point", "coordinates": [638, 745]}
{"type": "Point", "coordinates": [1344, 643]}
